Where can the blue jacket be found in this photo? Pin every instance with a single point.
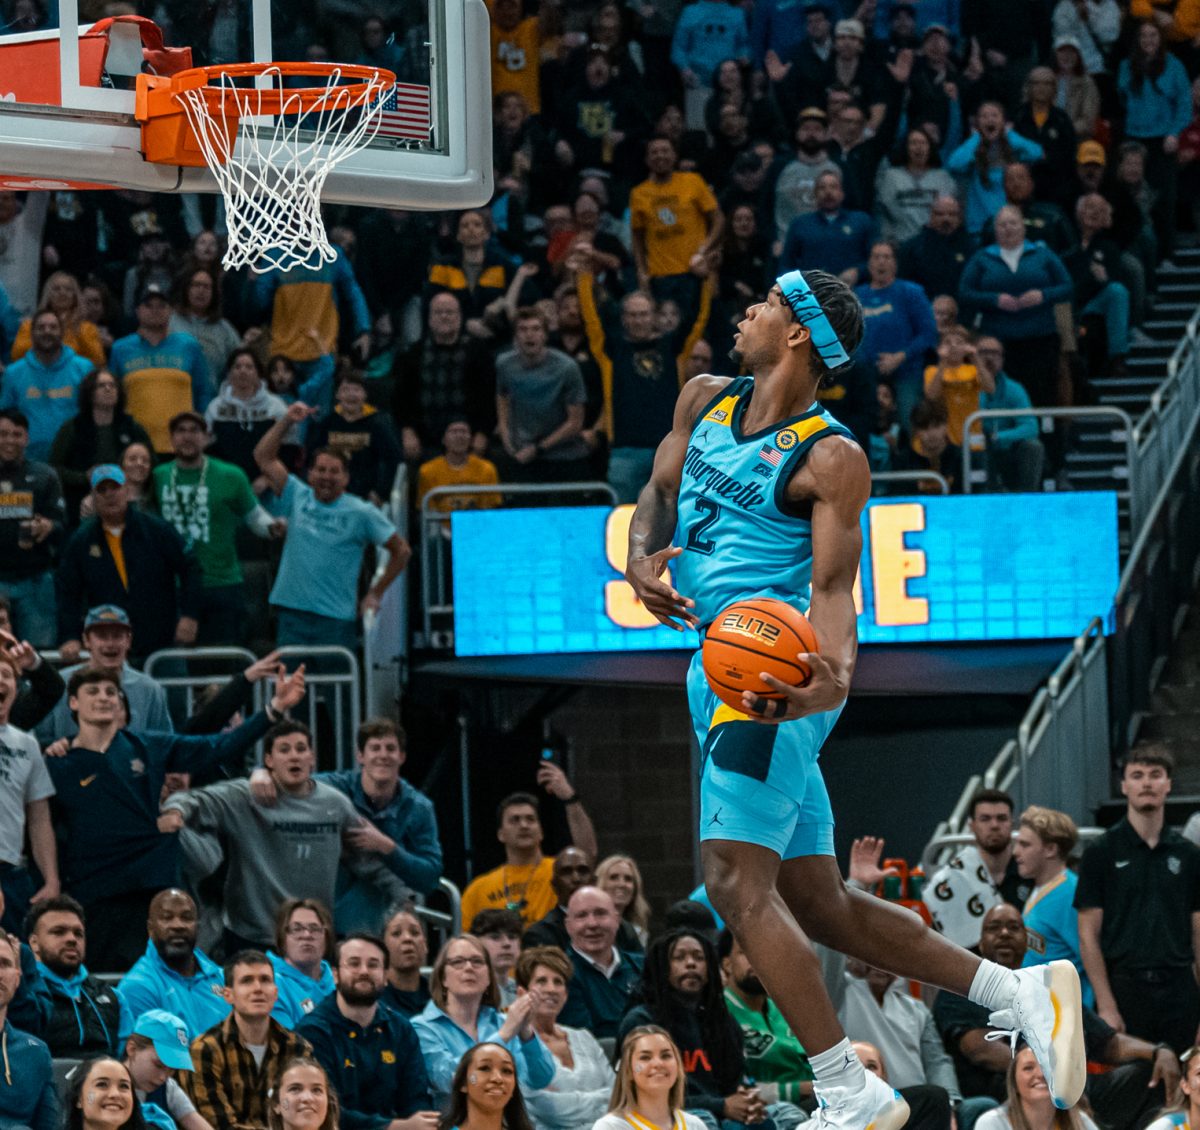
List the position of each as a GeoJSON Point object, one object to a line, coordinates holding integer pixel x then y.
{"type": "Point", "coordinates": [779, 26]}
{"type": "Point", "coordinates": [986, 277]}
{"type": "Point", "coordinates": [410, 821]}
{"type": "Point", "coordinates": [47, 394]}
{"type": "Point", "coordinates": [31, 1007]}
{"type": "Point", "coordinates": [298, 994]}
{"type": "Point", "coordinates": [986, 197]}
{"type": "Point", "coordinates": [828, 243]}
{"type": "Point", "coordinates": [597, 1002]}
{"type": "Point", "coordinates": [152, 983]}
{"type": "Point", "coordinates": [443, 1043]}
{"type": "Point", "coordinates": [708, 33]}
{"type": "Point", "coordinates": [1005, 431]}
{"type": "Point", "coordinates": [10, 323]}
{"type": "Point", "coordinates": [177, 351]}
{"type": "Point", "coordinates": [28, 1096]}
{"type": "Point", "coordinates": [897, 319]}
{"type": "Point", "coordinates": [1163, 106]}
{"type": "Point", "coordinates": [378, 1071]}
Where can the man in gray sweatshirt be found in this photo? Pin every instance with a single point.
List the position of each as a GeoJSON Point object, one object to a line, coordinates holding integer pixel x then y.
{"type": "Point", "coordinates": [291, 850]}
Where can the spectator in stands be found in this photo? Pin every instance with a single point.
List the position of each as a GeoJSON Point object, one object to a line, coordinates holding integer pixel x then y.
{"type": "Point", "coordinates": [86, 1012]}
{"type": "Point", "coordinates": [899, 329]}
{"type": "Point", "coordinates": [1029, 1102]}
{"type": "Point", "coordinates": [457, 466]}
{"type": "Point", "coordinates": [303, 1098]}
{"type": "Point", "coordinates": [304, 938]}
{"type": "Point", "coordinates": [572, 870]}
{"type": "Point", "coordinates": [236, 1062]}
{"type": "Point", "coordinates": [540, 399]}
{"type": "Point", "coordinates": [21, 226]}
{"type": "Point", "coordinates": [28, 1097]}
{"type": "Point", "coordinates": [681, 992]}
{"type": "Point", "coordinates": [364, 434]}
{"type": "Point", "coordinates": [619, 877]}
{"type": "Point", "coordinates": [206, 500]}
{"type": "Point", "coordinates": [1042, 850]}
{"type": "Point", "coordinates": [910, 187]}
{"type": "Point", "coordinates": [1157, 99]}
{"type": "Point", "coordinates": [31, 527]}
{"type": "Point", "coordinates": [1015, 284]}
{"type": "Point", "coordinates": [198, 313]}
{"type": "Point", "coordinates": [1136, 921]}
{"type": "Point", "coordinates": [523, 882]}
{"type": "Point", "coordinates": [1095, 269]}
{"type": "Point", "coordinates": [935, 257]}
{"type": "Point", "coordinates": [243, 411]}
{"type": "Point", "coordinates": [173, 975]}
{"type": "Point", "coordinates": [1044, 220]}
{"type": "Point", "coordinates": [303, 305]}
{"type": "Point", "coordinates": [774, 1057]}
{"type": "Point", "coordinates": [478, 275]}
{"type": "Point", "coordinates": [579, 1093]}
{"type": "Point", "coordinates": [500, 931]}
{"type": "Point", "coordinates": [328, 530]}
{"type": "Point", "coordinates": [1095, 28]}
{"type": "Point", "coordinates": [133, 560]}
{"type": "Point", "coordinates": [370, 1050]}
{"type": "Point", "coordinates": [61, 294]}
{"type": "Point", "coordinates": [516, 53]}
{"type": "Point", "coordinates": [107, 637]}
{"type": "Point", "coordinates": [155, 1049]}
{"type": "Point", "coordinates": [117, 855]}
{"type": "Point", "coordinates": [463, 1012]}
{"type": "Point", "coordinates": [929, 447]}
{"type": "Point", "coordinates": [1078, 93]}
{"type": "Point", "coordinates": [983, 157]}
{"type": "Point", "coordinates": [706, 33]}
{"type": "Point", "coordinates": [838, 241]}
{"type": "Point", "coordinates": [650, 1084]}
{"type": "Point", "coordinates": [1142, 1074]}
{"type": "Point", "coordinates": [1015, 454]}
{"type": "Point", "coordinates": [99, 1095]}
{"type": "Point", "coordinates": [44, 383]}
{"type": "Point", "coordinates": [1186, 1109]}
{"type": "Point", "coordinates": [263, 850]}
{"type": "Point", "coordinates": [484, 1092]}
{"type": "Point", "coordinates": [928, 1106]}
{"type": "Point", "coordinates": [407, 989]}
{"type": "Point", "coordinates": [99, 432]}
{"type": "Point", "coordinates": [954, 381]}
{"type": "Point", "coordinates": [794, 177]}
{"type": "Point", "coordinates": [1041, 120]}
{"type": "Point", "coordinates": [163, 373]}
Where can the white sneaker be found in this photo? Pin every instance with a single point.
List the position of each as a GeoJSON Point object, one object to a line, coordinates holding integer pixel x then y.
{"type": "Point", "coordinates": [876, 1107]}
{"type": "Point", "coordinates": [1047, 1013]}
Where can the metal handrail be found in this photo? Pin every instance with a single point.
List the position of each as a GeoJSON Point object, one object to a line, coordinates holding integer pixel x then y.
{"type": "Point", "coordinates": [912, 477]}
{"type": "Point", "coordinates": [931, 857]}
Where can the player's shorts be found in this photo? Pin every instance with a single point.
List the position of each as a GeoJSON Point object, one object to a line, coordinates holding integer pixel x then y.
{"type": "Point", "coordinates": [760, 784]}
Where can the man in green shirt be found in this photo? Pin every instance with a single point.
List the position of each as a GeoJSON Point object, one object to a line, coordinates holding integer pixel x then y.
{"type": "Point", "coordinates": [206, 499]}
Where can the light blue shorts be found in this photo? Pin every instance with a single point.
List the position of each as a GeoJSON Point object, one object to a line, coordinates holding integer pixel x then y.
{"type": "Point", "coordinates": [760, 784]}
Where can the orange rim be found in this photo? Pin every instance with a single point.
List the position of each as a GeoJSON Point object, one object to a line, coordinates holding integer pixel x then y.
{"type": "Point", "coordinates": [249, 100]}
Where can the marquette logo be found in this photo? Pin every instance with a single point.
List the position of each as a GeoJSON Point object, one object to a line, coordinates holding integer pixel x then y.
{"type": "Point", "coordinates": [752, 627]}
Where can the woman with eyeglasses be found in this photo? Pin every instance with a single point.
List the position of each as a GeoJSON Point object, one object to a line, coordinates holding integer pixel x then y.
{"type": "Point", "coordinates": [303, 944]}
{"type": "Point", "coordinates": [1185, 1113]}
{"type": "Point", "coordinates": [1029, 1105]}
{"type": "Point", "coordinates": [464, 1012]}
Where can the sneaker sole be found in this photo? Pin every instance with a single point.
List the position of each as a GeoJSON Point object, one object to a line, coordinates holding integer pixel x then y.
{"type": "Point", "coordinates": [1066, 1040]}
{"type": "Point", "coordinates": [891, 1117]}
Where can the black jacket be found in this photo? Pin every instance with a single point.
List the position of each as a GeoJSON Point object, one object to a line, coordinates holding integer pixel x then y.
{"type": "Point", "coordinates": [935, 262]}
{"type": "Point", "coordinates": [28, 489]}
{"type": "Point", "coordinates": [82, 1025]}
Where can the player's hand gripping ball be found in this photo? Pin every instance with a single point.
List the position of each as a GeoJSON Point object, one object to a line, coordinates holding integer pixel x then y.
{"type": "Point", "coordinates": [753, 636]}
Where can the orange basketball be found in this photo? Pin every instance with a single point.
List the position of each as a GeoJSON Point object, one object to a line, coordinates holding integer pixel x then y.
{"type": "Point", "coordinates": [752, 636]}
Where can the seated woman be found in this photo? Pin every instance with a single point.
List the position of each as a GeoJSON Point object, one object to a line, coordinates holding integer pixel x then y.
{"type": "Point", "coordinates": [650, 1085]}
{"type": "Point", "coordinates": [1029, 1105]}
{"type": "Point", "coordinates": [1186, 1112]}
{"type": "Point", "coordinates": [620, 877]}
{"type": "Point", "coordinates": [301, 1098]}
{"type": "Point", "coordinates": [463, 1012]}
{"type": "Point", "coordinates": [101, 1097]}
{"type": "Point", "coordinates": [483, 1092]}
{"type": "Point", "coordinates": [63, 295]}
{"type": "Point", "coordinates": [582, 1085]}
{"type": "Point", "coordinates": [407, 990]}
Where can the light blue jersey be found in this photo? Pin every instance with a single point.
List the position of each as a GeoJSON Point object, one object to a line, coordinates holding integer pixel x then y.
{"type": "Point", "coordinates": [1052, 928]}
{"type": "Point", "coordinates": [741, 539]}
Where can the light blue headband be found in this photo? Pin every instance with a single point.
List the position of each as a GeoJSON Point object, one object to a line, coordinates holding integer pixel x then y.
{"type": "Point", "coordinates": [799, 296]}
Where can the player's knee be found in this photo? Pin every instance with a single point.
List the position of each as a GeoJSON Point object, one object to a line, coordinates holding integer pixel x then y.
{"type": "Point", "coordinates": [738, 893]}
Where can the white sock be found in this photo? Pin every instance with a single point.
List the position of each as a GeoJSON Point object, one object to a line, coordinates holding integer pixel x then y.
{"type": "Point", "coordinates": [838, 1067]}
{"type": "Point", "coordinates": [994, 986]}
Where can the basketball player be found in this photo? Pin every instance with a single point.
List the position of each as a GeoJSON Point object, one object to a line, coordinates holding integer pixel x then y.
{"type": "Point", "coordinates": [761, 492]}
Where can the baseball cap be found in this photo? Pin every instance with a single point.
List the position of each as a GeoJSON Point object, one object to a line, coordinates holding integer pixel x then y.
{"type": "Point", "coordinates": [939, 29]}
{"type": "Point", "coordinates": [1091, 153]}
{"type": "Point", "coordinates": [183, 417]}
{"type": "Point", "coordinates": [812, 114]}
{"type": "Point", "coordinates": [1067, 41]}
{"type": "Point", "coordinates": [169, 1035]}
{"type": "Point", "coordinates": [152, 290]}
{"type": "Point", "coordinates": [106, 614]}
{"type": "Point", "coordinates": [107, 473]}
{"type": "Point", "coordinates": [850, 27]}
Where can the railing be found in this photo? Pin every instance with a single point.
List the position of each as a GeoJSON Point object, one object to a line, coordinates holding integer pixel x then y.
{"type": "Point", "coordinates": [191, 669]}
{"type": "Point", "coordinates": [945, 844]}
{"type": "Point", "coordinates": [332, 676]}
{"type": "Point", "coordinates": [907, 478]}
{"type": "Point", "coordinates": [385, 633]}
{"type": "Point", "coordinates": [436, 596]}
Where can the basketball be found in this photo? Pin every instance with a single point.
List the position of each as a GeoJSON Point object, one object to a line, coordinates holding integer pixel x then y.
{"type": "Point", "coordinates": [753, 636]}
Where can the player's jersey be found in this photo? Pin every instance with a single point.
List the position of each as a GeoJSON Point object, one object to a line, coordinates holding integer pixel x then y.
{"type": "Point", "coordinates": [738, 535]}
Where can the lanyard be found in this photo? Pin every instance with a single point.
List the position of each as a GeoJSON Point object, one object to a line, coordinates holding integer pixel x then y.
{"type": "Point", "coordinates": [1042, 892]}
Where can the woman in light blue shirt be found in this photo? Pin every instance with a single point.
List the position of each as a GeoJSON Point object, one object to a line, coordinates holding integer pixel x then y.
{"type": "Point", "coordinates": [464, 1013]}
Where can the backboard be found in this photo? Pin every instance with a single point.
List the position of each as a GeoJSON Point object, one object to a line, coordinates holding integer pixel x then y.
{"type": "Point", "coordinates": [67, 92]}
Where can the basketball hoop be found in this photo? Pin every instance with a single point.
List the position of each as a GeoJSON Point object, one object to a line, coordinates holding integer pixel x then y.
{"type": "Point", "coordinates": [270, 147]}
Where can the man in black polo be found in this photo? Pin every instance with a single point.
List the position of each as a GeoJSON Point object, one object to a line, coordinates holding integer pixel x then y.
{"type": "Point", "coordinates": [1145, 1075]}
{"type": "Point", "coordinates": [1139, 911]}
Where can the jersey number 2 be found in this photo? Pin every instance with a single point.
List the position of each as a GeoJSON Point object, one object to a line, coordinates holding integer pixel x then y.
{"type": "Point", "coordinates": [696, 541]}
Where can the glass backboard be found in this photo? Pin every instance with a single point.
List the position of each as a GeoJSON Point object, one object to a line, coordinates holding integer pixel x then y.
{"type": "Point", "coordinates": [67, 90]}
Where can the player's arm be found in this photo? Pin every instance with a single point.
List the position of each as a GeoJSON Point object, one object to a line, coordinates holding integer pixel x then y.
{"type": "Point", "coordinates": [837, 479]}
{"type": "Point", "coordinates": [654, 520]}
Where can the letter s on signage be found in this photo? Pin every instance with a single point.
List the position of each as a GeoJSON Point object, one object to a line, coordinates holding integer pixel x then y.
{"type": "Point", "coordinates": [620, 605]}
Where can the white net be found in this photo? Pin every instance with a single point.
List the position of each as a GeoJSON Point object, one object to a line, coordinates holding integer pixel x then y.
{"type": "Point", "coordinates": [272, 168]}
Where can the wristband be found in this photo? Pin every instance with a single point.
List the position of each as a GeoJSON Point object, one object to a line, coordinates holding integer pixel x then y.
{"type": "Point", "coordinates": [573, 799]}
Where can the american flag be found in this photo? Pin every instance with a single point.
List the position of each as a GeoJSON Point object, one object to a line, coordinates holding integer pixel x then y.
{"type": "Point", "coordinates": [770, 454]}
{"type": "Point", "coordinates": [406, 112]}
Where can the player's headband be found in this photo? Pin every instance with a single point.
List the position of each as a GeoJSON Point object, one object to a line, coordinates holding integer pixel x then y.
{"type": "Point", "coordinates": [799, 296]}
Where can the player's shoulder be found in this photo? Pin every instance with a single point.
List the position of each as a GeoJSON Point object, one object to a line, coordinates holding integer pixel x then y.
{"type": "Point", "coordinates": [839, 466]}
{"type": "Point", "coordinates": [699, 392]}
